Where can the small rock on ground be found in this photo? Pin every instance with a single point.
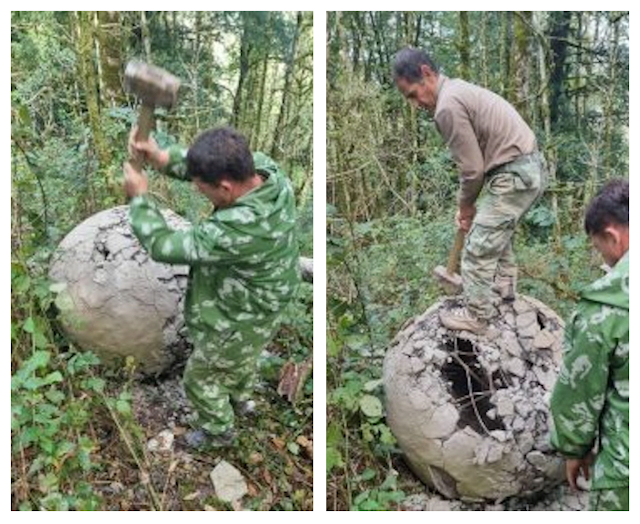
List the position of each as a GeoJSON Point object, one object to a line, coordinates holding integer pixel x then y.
{"type": "Point", "coordinates": [228, 482]}
{"type": "Point", "coordinates": [163, 442]}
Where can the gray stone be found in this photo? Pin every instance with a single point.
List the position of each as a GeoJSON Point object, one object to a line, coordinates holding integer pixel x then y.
{"type": "Point", "coordinates": [442, 423]}
{"type": "Point", "coordinates": [505, 407]}
{"type": "Point", "coordinates": [162, 442]}
{"type": "Point", "coordinates": [417, 365]}
{"type": "Point", "coordinates": [116, 301]}
{"type": "Point", "coordinates": [527, 324]}
{"type": "Point", "coordinates": [517, 424]}
{"type": "Point", "coordinates": [228, 482]}
{"type": "Point", "coordinates": [426, 411]}
{"type": "Point", "coordinates": [544, 339]}
{"type": "Point", "coordinates": [547, 378]}
{"type": "Point", "coordinates": [516, 366]}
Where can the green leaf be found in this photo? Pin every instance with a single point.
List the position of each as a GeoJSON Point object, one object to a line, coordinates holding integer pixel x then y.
{"type": "Point", "coordinates": [371, 406]}
{"type": "Point", "coordinates": [29, 325]}
{"type": "Point", "coordinates": [55, 395]}
{"type": "Point", "coordinates": [51, 378]}
{"type": "Point", "coordinates": [123, 407]}
{"type": "Point", "coordinates": [366, 475]}
{"type": "Point", "coordinates": [293, 447]}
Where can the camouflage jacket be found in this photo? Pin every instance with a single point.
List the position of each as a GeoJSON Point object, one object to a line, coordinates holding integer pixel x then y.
{"type": "Point", "coordinates": [243, 259]}
{"type": "Point", "coordinates": [590, 402]}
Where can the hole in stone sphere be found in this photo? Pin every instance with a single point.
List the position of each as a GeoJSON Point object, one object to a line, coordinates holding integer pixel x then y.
{"type": "Point", "coordinates": [469, 386]}
{"type": "Point", "coordinates": [542, 320]}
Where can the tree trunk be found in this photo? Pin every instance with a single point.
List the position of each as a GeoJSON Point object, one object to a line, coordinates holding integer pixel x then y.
{"type": "Point", "coordinates": [464, 45]}
{"type": "Point", "coordinates": [550, 150]}
{"type": "Point", "coordinates": [521, 64]}
{"type": "Point", "coordinates": [559, 31]}
{"type": "Point", "coordinates": [245, 48]}
{"type": "Point", "coordinates": [284, 105]}
{"type": "Point", "coordinates": [146, 37]}
{"type": "Point", "coordinates": [110, 42]}
{"type": "Point", "coordinates": [85, 50]}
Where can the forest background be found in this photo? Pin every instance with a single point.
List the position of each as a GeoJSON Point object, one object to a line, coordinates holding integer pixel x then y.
{"type": "Point", "coordinates": [391, 187]}
{"type": "Point", "coordinates": [77, 440]}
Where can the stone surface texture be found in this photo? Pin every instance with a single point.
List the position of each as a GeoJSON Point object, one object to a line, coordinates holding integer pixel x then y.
{"type": "Point", "coordinates": [113, 299]}
{"type": "Point", "coordinates": [471, 412]}
{"type": "Point", "coordinates": [228, 482]}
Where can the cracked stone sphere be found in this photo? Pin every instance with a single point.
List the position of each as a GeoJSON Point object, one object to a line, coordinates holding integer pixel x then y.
{"type": "Point", "coordinates": [471, 413]}
{"type": "Point", "coordinates": [113, 299]}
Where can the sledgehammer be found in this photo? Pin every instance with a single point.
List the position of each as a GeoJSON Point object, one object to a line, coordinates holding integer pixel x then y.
{"type": "Point", "coordinates": [155, 88]}
{"type": "Point", "coordinates": [448, 277]}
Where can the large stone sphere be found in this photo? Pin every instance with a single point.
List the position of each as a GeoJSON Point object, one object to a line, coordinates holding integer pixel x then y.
{"type": "Point", "coordinates": [113, 299]}
{"type": "Point", "coordinates": [471, 413]}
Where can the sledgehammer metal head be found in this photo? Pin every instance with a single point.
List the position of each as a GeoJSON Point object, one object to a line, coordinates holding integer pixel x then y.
{"type": "Point", "coordinates": [448, 277]}
{"type": "Point", "coordinates": [450, 282]}
{"type": "Point", "coordinates": [153, 86]}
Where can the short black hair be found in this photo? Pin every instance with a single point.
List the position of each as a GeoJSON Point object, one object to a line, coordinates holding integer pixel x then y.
{"type": "Point", "coordinates": [218, 154]}
{"type": "Point", "coordinates": [609, 207]}
{"type": "Point", "coordinates": [407, 64]}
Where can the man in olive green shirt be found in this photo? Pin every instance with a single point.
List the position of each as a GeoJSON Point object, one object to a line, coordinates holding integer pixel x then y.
{"type": "Point", "coordinates": [493, 148]}
{"type": "Point", "coordinates": [243, 266]}
{"type": "Point", "coordinates": [590, 402]}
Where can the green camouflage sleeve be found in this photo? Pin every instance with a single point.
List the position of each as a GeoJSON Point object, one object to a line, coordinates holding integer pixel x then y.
{"type": "Point", "coordinates": [194, 245]}
{"type": "Point", "coordinates": [177, 166]}
{"type": "Point", "coordinates": [579, 393]}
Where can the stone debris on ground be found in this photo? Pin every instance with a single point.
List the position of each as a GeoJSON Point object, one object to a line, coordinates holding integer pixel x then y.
{"type": "Point", "coordinates": [560, 498]}
{"type": "Point", "coordinates": [471, 412]}
{"type": "Point", "coordinates": [228, 482]}
{"type": "Point", "coordinates": [161, 404]}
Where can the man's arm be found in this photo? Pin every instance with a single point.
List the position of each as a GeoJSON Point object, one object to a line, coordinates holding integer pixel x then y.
{"type": "Point", "coordinates": [196, 245]}
{"type": "Point", "coordinates": [192, 246]}
{"type": "Point", "coordinates": [455, 127]}
{"type": "Point", "coordinates": [579, 393]}
{"type": "Point", "coordinates": [171, 161]}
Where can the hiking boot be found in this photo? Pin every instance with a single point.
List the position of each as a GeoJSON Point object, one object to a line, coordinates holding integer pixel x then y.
{"type": "Point", "coordinates": [463, 320]}
{"type": "Point", "coordinates": [199, 439]}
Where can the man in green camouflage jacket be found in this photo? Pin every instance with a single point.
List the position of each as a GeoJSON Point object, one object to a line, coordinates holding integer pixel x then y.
{"type": "Point", "coordinates": [590, 402]}
{"type": "Point", "coordinates": [243, 266]}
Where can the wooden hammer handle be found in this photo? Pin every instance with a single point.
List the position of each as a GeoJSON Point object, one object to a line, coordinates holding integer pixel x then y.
{"type": "Point", "coordinates": [145, 126]}
{"type": "Point", "coordinates": [454, 255]}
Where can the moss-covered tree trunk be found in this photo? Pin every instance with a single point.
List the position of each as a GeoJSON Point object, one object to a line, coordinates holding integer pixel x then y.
{"type": "Point", "coordinates": [110, 45]}
{"type": "Point", "coordinates": [86, 62]}
{"type": "Point", "coordinates": [464, 46]}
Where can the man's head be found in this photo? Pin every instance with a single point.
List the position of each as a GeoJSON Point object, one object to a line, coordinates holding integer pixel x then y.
{"type": "Point", "coordinates": [607, 221]}
{"type": "Point", "coordinates": [221, 165]}
{"type": "Point", "coordinates": [416, 76]}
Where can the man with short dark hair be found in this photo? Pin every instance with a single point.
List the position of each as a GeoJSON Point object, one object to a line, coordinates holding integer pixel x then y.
{"type": "Point", "coordinates": [493, 148]}
{"type": "Point", "coordinates": [243, 266]}
{"type": "Point", "coordinates": [590, 402]}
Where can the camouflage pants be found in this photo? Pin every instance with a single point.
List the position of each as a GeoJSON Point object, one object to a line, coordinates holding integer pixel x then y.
{"type": "Point", "coordinates": [220, 372]}
{"type": "Point", "coordinates": [488, 257]}
{"type": "Point", "coordinates": [609, 500]}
